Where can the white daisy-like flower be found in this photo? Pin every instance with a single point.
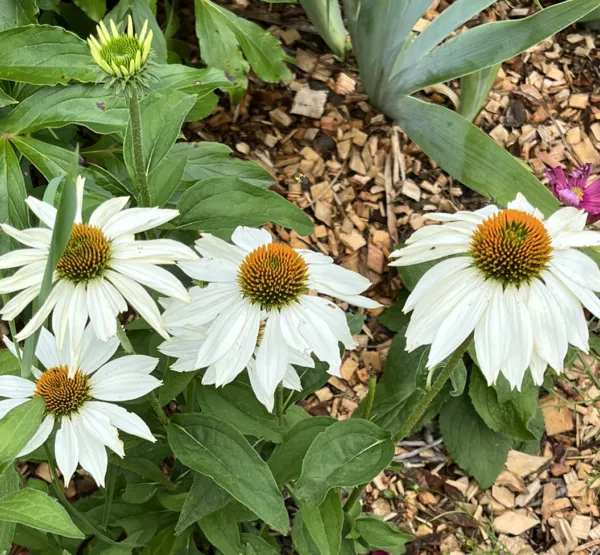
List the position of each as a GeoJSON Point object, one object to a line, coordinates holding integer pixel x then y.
{"type": "Point", "coordinates": [102, 268]}
{"type": "Point", "coordinates": [80, 400]}
{"type": "Point", "coordinates": [513, 278]}
{"type": "Point", "coordinates": [257, 281]}
{"type": "Point", "coordinates": [187, 342]}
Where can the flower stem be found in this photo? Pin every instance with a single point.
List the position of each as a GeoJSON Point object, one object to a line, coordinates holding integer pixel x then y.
{"type": "Point", "coordinates": [190, 396]}
{"type": "Point", "coordinates": [417, 414]}
{"type": "Point", "coordinates": [135, 122]}
{"type": "Point", "coordinates": [279, 402]}
{"type": "Point", "coordinates": [370, 397]}
{"type": "Point", "coordinates": [432, 392]}
{"type": "Point", "coordinates": [68, 505]}
{"type": "Point", "coordinates": [154, 402]}
{"type": "Point", "coordinates": [110, 491]}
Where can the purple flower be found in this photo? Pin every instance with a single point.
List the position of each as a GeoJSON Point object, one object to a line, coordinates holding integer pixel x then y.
{"type": "Point", "coordinates": [574, 190]}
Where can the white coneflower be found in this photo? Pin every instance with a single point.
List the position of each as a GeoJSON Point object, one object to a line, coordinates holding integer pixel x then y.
{"type": "Point", "coordinates": [80, 398]}
{"type": "Point", "coordinates": [513, 278]}
{"type": "Point", "coordinates": [257, 281]}
{"type": "Point", "coordinates": [121, 56]}
{"type": "Point", "coordinates": [102, 268]}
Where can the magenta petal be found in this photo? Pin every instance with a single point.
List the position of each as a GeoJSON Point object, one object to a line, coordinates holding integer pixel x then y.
{"type": "Point", "coordinates": [591, 198]}
{"type": "Point", "coordinates": [580, 176]}
{"type": "Point", "coordinates": [557, 179]}
{"type": "Point", "coordinates": [568, 198]}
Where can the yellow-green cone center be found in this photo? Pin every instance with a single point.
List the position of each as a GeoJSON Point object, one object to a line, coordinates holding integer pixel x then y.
{"type": "Point", "coordinates": [121, 50]}
{"type": "Point", "coordinates": [511, 247]}
{"type": "Point", "coordinates": [273, 276]}
{"type": "Point", "coordinates": [63, 395]}
{"type": "Point", "coordinates": [86, 254]}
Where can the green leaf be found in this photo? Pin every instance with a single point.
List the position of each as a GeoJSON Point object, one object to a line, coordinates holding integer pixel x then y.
{"type": "Point", "coordinates": [458, 379]}
{"type": "Point", "coordinates": [256, 545]}
{"type": "Point", "coordinates": [347, 453]}
{"type": "Point", "coordinates": [94, 9]}
{"type": "Point", "coordinates": [411, 275]}
{"type": "Point", "coordinates": [18, 427]}
{"type": "Point", "coordinates": [477, 449]}
{"type": "Point", "coordinates": [381, 535]}
{"type": "Point", "coordinates": [218, 206]}
{"type": "Point", "coordinates": [205, 497]}
{"type": "Point", "coordinates": [9, 483]}
{"type": "Point", "coordinates": [162, 116]}
{"type": "Point", "coordinates": [286, 460]}
{"type": "Point", "coordinates": [222, 531]}
{"type": "Point", "coordinates": [45, 55]}
{"type": "Point", "coordinates": [88, 105]}
{"type": "Point", "coordinates": [324, 523]}
{"type": "Point", "coordinates": [468, 154]}
{"type": "Point", "coordinates": [13, 209]}
{"type": "Point", "coordinates": [355, 322]}
{"type": "Point", "coordinates": [198, 82]}
{"type": "Point", "coordinates": [6, 100]}
{"type": "Point", "coordinates": [326, 16]}
{"type": "Point", "coordinates": [474, 90]}
{"type": "Point", "coordinates": [311, 380]}
{"type": "Point", "coordinates": [393, 318]}
{"type": "Point", "coordinates": [9, 365]}
{"type": "Point", "coordinates": [503, 410]}
{"type": "Point", "coordinates": [493, 44]}
{"type": "Point", "coordinates": [166, 543]}
{"type": "Point", "coordinates": [14, 13]}
{"type": "Point", "coordinates": [165, 178]}
{"type": "Point", "coordinates": [222, 33]}
{"type": "Point", "coordinates": [173, 384]}
{"type": "Point", "coordinates": [216, 449]}
{"type": "Point", "coordinates": [208, 160]}
{"type": "Point", "coordinates": [36, 509]}
{"type": "Point", "coordinates": [237, 405]}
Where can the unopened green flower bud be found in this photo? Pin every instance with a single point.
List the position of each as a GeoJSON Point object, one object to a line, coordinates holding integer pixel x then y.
{"type": "Point", "coordinates": [121, 56]}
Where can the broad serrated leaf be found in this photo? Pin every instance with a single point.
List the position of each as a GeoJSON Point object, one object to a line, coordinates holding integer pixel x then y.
{"type": "Point", "coordinates": [165, 178]}
{"type": "Point", "coordinates": [205, 497]}
{"type": "Point", "coordinates": [503, 410]}
{"type": "Point", "coordinates": [224, 36]}
{"type": "Point", "coordinates": [219, 205]}
{"type": "Point", "coordinates": [15, 13]}
{"type": "Point", "coordinates": [477, 449]}
{"type": "Point", "coordinates": [36, 509]}
{"type": "Point", "coordinates": [9, 483]}
{"type": "Point", "coordinates": [88, 105]}
{"type": "Point", "coordinates": [13, 209]}
{"type": "Point", "coordinates": [237, 404]}
{"type": "Point", "coordinates": [45, 55]}
{"type": "Point", "coordinates": [347, 453]}
{"type": "Point", "coordinates": [216, 449]}
{"type": "Point", "coordinates": [286, 459]}
{"type": "Point", "coordinates": [324, 523]}
{"type": "Point", "coordinates": [19, 426]}
{"type": "Point", "coordinates": [208, 160]}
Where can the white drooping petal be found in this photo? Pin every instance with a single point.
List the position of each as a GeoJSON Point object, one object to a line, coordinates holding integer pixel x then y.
{"type": "Point", "coordinates": [124, 420]}
{"type": "Point", "coordinates": [95, 352]}
{"type": "Point", "coordinates": [549, 333]}
{"type": "Point", "coordinates": [566, 219]}
{"type": "Point", "coordinates": [21, 257]}
{"type": "Point", "coordinates": [77, 316]}
{"type": "Point", "coordinates": [107, 210]}
{"type": "Point", "coordinates": [216, 270]}
{"type": "Point", "coordinates": [576, 239]}
{"type": "Point", "coordinates": [290, 320]}
{"type": "Point", "coordinates": [44, 211]}
{"type": "Point", "coordinates": [92, 454]}
{"type": "Point", "coordinates": [577, 267]}
{"type": "Point", "coordinates": [586, 297]}
{"type": "Point", "coordinates": [249, 238]}
{"type": "Point", "coordinates": [98, 425]}
{"type": "Point", "coordinates": [152, 276]}
{"type": "Point", "coordinates": [61, 288]}
{"type": "Point", "coordinates": [576, 326]}
{"type": "Point", "coordinates": [40, 436]}
{"type": "Point", "coordinates": [521, 203]}
{"type": "Point", "coordinates": [432, 231]}
{"type": "Point", "coordinates": [491, 339]}
{"type": "Point", "coordinates": [26, 276]}
{"type": "Point", "coordinates": [291, 380]}
{"type": "Point", "coordinates": [79, 186]}
{"type": "Point", "coordinates": [427, 254]}
{"type": "Point", "coordinates": [210, 246]}
{"type": "Point", "coordinates": [154, 251]}
{"type": "Point", "coordinates": [461, 322]}
{"type": "Point", "coordinates": [124, 379]}
{"type": "Point", "coordinates": [19, 302]}
{"type": "Point", "coordinates": [139, 299]}
{"type": "Point", "coordinates": [332, 316]}
{"type": "Point", "coordinates": [520, 333]}
{"type": "Point", "coordinates": [272, 357]}
{"type": "Point", "coordinates": [66, 449]}
{"type": "Point", "coordinates": [15, 387]}
{"type": "Point", "coordinates": [60, 313]}
{"type": "Point", "coordinates": [433, 277]}
{"type": "Point", "coordinates": [35, 237]}
{"type": "Point", "coordinates": [136, 220]}
{"type": "Point", "coordinates": [46, 350]}
{"type": "Point", "coordinates": [103, 316]}
{"type": "Point", "coordinates": [460, 216]}
{"type": "Point", "coordinates": [537, 366]}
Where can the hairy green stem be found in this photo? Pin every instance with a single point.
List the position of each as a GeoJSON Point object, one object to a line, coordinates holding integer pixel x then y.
{"type": "Point", "coordinates": [417, 414]}
{"type": "Point", "coordinates": [111, 478]}
{"type": "Point", "coordinates": [154, 402]}
{"type": "Point", "coordinates": [279, 407]}
{"type": "Point", "coordinates": [135, 122]}
{"type": "Point", "coordinates": [68, 505]}
{"type": "Point", "coordinates": [370, 397]}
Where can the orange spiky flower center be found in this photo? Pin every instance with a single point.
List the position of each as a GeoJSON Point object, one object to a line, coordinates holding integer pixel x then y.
{"type": "Point", "coordinates": [63, 395]}
{"type": "Point", "coordinates": [511, 246]}
{"type": "Point", "coordinates": [86, 254]}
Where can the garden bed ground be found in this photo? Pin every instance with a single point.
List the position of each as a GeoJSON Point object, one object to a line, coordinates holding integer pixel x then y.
{"type": "Point", "coordinates": [368, 188]}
